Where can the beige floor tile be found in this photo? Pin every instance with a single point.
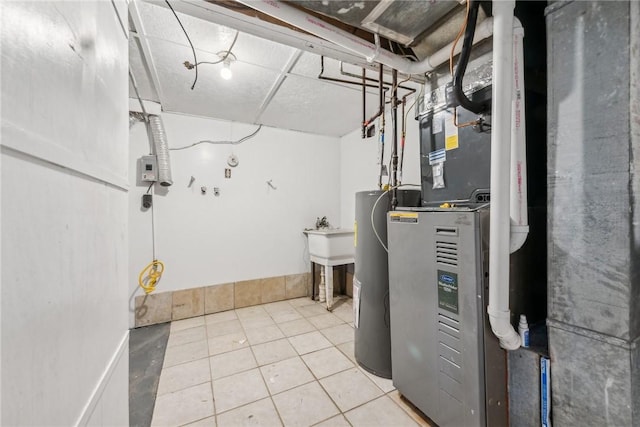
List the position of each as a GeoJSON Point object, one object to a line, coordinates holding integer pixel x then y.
{"type": "Point", "coordinates": [337, 421]}
{"type": "Point", "coordinates": [232, 362]}
{"type": "Point", "coordinates": [381, 412]}
{"type": "Point", "coordinates": [249, 312]}
{"type": "Point", "coordinates": [220, 317]}
{"type": "Point", "coordinates": [273, 351]}
{"type": "Point", "coordinates": [408, 408]}
{"type": "Point", "coordinates": [286, 316]}
{"type": "Point", "coordinates": [301, 302]}
{"type": "Point", "coordinates": [311, 341]}
{"type": "Point", "coordinates": [183, 376]}
{"type": "Point", "coordinates": [344, 310]}
{"type": "Point", "coordinates": [339, 334]}
{"type": "Point", "coordinates": [178, 325]}
{"type": "Point", "coordinates": [257, 322]}
{"type": "Point", "coordinates": [223, 328]}
{"type": "Point", "coordinates": [257, 414]}
{"type": "Point", "coordinates": [327, 362]}
{"type": "Point", "coordinates": [277, 307]}
{"type": "Point", "coordinates": [345, 315]}
{"type": "Point", "coordinates": [347, 349]}
{"type": "Point", "coordinates": [266, 334]}
{"type": "Point", "coordinates": [350, 389]}
{"type": "Point", "coordinates": [239, 389]}
{"type": "Point", "coordinates": [312, 310]}
{"type": "Point", "coordinates": [184, 406]}
{"type": "Point", "coordinates": [185, 353]}
{"type": "Point", "coordinates": [205, 422]}
{"type": "Point", "coordinates": [296, 327]}
{"type": "Point", "coordinates": [324, 321]}
{"type": "Point", "coordinates": [226, 343]}
{"type": "Point", "coordinates": [285, 375]}
{"type": "Point", "coordinates": [305, 405]}
{"type": "Point", "coordinates": [385, 384]}
{"type": "Point", "coordinates": [185, 336]}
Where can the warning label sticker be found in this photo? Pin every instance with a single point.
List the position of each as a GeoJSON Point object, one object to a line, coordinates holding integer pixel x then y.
{"type": "Point", "coordinates": [403, 217]}
{"type": "Point", "coordinates": [450, 132]}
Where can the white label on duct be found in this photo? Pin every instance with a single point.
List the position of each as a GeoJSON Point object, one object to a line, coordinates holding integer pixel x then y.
{"type": "Point", "coordinates": [437, 124]}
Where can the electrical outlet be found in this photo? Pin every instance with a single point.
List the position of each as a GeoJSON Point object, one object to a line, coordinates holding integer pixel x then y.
{"type": "Point", "coordinates": [227, 173]}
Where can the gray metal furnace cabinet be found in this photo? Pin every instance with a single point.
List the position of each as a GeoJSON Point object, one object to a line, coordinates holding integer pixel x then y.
{"type": "Point", "coordinates": [445, 358]}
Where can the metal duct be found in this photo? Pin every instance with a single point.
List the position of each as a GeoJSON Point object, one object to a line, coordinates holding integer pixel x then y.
{"type": "Point", "coordinates": [161, 146]}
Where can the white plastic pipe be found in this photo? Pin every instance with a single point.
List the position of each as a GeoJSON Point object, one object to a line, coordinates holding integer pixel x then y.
{"type": "Point", "coordinates": [369, 51]}
{"type": "Point", "coordinates": [498, 309]}
{"type": "Point", "coordinates": [518, 202]}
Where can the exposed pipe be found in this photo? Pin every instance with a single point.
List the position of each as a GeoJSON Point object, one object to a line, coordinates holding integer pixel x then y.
{"type": "Point", "coordinates": [364, 103]}
{"type": "Point", "coordinates": [518, 201]}
{"type": "Point", "coordinates": [394, 158]}
{"type": "Point", "coordinates": [498, 309]}
{"type": "Point", "coordinates": [382, 119]}
{"type": "Point", "coordinates": [381, 92]}
{"type": "Point", "coordinates": [333, 79]}
{"type": "Point", "coordinates": [369, 79]}
{"type": "Point", "coordinates": [369, 51]}
{"type": "Point", "coordinates": [403, 134]}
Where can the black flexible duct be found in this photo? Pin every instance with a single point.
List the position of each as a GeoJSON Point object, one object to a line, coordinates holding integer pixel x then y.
{"type": "Point", "coordinates": [463, 60]}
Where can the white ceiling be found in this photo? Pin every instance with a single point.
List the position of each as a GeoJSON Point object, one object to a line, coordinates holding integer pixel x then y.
{"type": "Point", "coordinates": [272, 84]}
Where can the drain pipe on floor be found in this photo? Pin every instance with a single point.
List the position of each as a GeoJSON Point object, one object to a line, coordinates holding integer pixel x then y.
{"type": "Point", "coordinates": [499, 237]}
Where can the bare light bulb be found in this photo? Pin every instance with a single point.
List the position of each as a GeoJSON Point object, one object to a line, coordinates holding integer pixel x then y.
{"type": "Point", "coordinates": [225, 72]}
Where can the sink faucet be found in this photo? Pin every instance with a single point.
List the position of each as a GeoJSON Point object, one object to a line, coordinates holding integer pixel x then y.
{"type": "Point", "coordinates": [322, 223]}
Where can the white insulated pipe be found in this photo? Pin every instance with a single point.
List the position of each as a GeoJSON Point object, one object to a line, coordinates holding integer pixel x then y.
{"type": "Point", "coordinates": [499, 222]}
{"type": "Point", "coordinates": [369, 51]}
{"type": "Point", "coordinates": [518, 202]}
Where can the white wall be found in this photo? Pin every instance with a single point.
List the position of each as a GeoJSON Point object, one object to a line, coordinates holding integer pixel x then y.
{"type": "Point", "coordinates": [250, 231]}
{"type": "Point", "coordinates": [358, 163]}
{"type": "Point", "coordinates": [64, 214]}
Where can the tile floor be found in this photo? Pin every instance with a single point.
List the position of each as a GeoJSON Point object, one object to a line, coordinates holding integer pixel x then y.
{"type": "Point", "coordinates": [285, 363]}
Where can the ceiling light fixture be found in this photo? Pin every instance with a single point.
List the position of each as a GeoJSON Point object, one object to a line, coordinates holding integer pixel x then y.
{"type": "Point", "coordinates": [227, 58]}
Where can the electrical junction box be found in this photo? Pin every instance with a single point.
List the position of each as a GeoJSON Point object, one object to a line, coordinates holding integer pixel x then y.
{"type": "Point", "coordinates": [148, 169]}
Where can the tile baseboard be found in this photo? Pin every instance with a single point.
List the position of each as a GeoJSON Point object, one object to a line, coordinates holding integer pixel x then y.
{"type": "Point", "coordinates": [161, 307]}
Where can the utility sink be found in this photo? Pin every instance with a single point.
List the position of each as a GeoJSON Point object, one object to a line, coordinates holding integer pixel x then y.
{"type": "Point", "coordinates": [331, 246]}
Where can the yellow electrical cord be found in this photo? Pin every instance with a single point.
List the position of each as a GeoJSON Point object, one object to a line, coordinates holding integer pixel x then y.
{"type": "Point", "coordinates": [148, 282]}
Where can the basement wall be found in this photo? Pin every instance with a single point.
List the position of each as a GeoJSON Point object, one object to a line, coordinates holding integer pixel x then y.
{"type": "Point", "coordinates": [245, 246]}
{"type": "Point", "coordinates": [64, 213]}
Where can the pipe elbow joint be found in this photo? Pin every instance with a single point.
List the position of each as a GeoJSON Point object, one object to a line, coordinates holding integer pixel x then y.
{"type": "Point", "coordinates": [519, 235]}
{"type": "Point", "coordinates": [501, 326]}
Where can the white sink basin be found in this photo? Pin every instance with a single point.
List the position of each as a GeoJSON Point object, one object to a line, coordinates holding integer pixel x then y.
{"type": "Point", "coordinates": [331, 247]}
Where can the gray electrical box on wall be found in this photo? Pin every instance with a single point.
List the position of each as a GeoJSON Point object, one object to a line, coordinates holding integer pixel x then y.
{"type": "Point", "coordinates": [148, 169]}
